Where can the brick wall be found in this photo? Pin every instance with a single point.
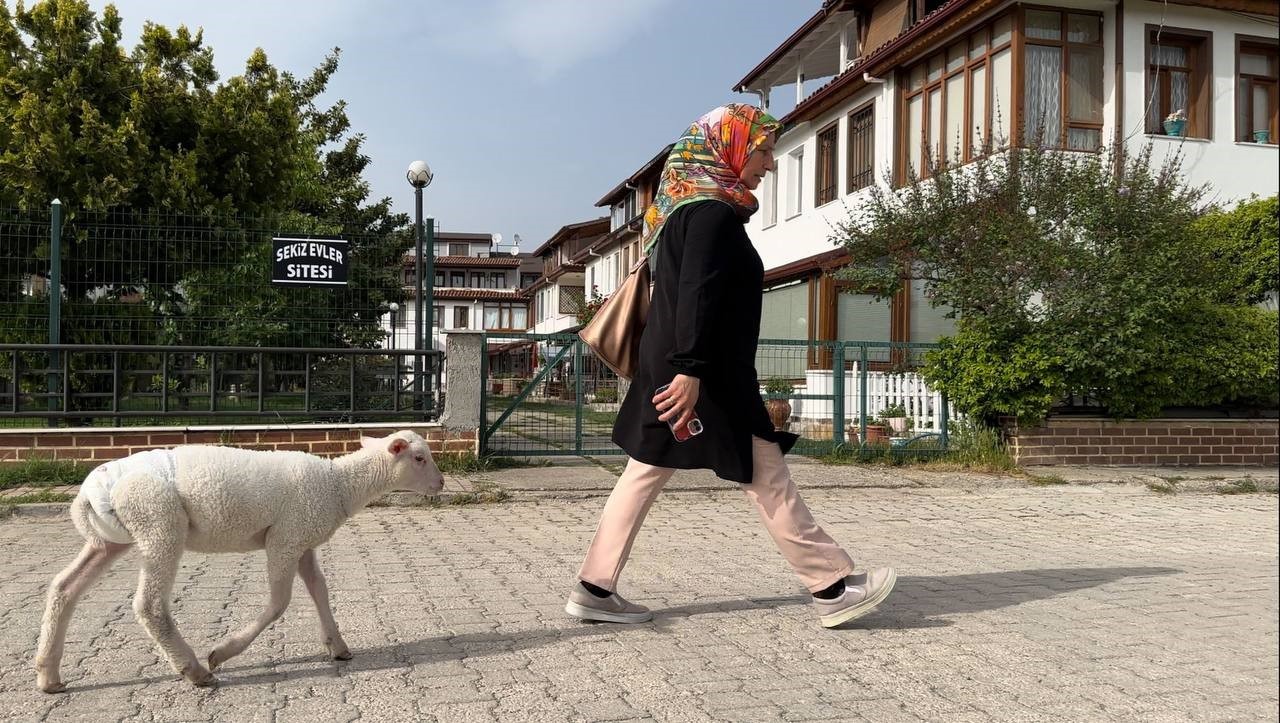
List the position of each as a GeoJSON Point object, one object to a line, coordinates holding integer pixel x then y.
{"type": "Point", "coordinates": [100, 444]}
{"type": "Point", "coordinates": [1205, 442]}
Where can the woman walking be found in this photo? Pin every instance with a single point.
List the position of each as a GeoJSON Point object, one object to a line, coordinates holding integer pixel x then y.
{"type": "Point", "coordinates": [697, 370]}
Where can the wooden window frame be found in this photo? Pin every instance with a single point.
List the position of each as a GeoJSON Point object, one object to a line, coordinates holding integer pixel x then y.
{"type": "Point", "coordinates": [826, 166]}
{"type": "Point", "coordinates": [437, 316]}
{"type": "Point", "coordinates": [860, 144]}
{"type": "Point", "coordinates": [1264, 46]}
{"type": "Point", "coordinates": [1021, 41]}
{"type": "Point", "coordinates": [465, 316]}
{"type": "Point", "coordinates": [507, 311]}
{"type": "Point", "coordinates": [452, 245]}
{"type": "Point", "coordinates": [453, 275]}
{"type": "Point", "coordinates": [971, 63]}
{"type": "Point", "coordinates": [1199, 44]}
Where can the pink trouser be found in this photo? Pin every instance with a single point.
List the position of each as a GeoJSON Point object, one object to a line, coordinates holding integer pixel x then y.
{"type": "Point", "coordinates": [817, 560]}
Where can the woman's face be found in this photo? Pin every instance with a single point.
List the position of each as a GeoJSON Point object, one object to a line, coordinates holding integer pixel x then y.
{"type": "Point", "coordinates": [758, 163]}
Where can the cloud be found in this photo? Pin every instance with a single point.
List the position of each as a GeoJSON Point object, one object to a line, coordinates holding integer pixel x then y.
{"type": "Point", "coordinates": [550, 36]}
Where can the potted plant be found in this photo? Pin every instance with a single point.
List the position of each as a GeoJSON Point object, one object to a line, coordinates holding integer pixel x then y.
{"type": "Point", "coordinates": [877, 433]}
{"type": "Point", "coordinates": [1262, 136]}
{"type": "Point", "coordinates": [1175, 124]}
{"type": "Point", "coordinates": [779, 408]}
{"type": "Point", "coordinates": [895, 417]}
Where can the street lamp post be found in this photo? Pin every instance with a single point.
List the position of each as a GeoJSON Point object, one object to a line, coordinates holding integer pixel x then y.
{"type": "Point", "coordinates": [394, 308]}
{"type": "Point", "coordinates": [419, 176]}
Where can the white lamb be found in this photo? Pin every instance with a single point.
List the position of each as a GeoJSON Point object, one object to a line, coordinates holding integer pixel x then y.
{"type": "Point", "coordinates": [221, 499]}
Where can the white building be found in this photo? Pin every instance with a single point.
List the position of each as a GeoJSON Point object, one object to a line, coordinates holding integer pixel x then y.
{"type": "Point", "coordinates": [909, 78]}
{"type": "Point", "coordinates": [477, 287]}
{"type": "Point", "coordinates": [559, 293]}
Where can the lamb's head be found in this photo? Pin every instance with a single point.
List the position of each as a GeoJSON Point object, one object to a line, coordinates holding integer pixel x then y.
{"type": "Point", "coordinates": [412, 467]}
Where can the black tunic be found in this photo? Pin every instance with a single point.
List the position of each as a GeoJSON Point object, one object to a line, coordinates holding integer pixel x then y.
{"type": "Point", "coordinates": [704, 321]}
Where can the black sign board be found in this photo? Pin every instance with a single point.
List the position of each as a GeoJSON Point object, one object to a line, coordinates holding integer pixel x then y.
{"type": "Point", "coordinates": [309, 261]}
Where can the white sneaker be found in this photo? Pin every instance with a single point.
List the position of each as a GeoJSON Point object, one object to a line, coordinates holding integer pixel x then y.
{"type": "Point", "coordinates": [862, 593]}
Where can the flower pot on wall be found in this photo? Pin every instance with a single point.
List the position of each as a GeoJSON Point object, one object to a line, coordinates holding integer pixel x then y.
{"type": "Point", "coordinates": [1262, 136]}
{"type": "Point", "coordinates": [1176, 128]}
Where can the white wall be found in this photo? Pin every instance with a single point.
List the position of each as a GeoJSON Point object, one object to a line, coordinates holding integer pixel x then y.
{"type": "Point", "coordinates": [810, 232]}
{"type": "Point", "coordinates": [1234, 170]}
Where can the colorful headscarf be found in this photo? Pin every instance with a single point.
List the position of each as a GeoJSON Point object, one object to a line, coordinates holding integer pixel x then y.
{"type": "Point", "coordinates": [705, 164]}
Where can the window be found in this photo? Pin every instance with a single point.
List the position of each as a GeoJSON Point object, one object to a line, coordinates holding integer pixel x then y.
{"type": "Point", "coordinates": [505, 316]}
{"type": "Point", "coordinates": [769, 198]}
{"type": "Point", "coordinates": [498, 280]}
{"type": "Point", "coordinates": [460, 314]}
{"type": "Point", "coordinates": [826, 167]}
{"type": "Point", "coordinates": [861, 162]}
{"type": "Point", "coordinates": [439, 278]}
{"type": "Point", "coordinates": [459, 249]}
{"type": "Point", "coordinates": [527, 280]}
{"type": "Point", "coordinates": [437, 316]}
{"type": "Point", "coordinates": [1063, 66]}
{"type": "Point", "coordinates": [457, 279]}
{"type": "Point", "coordinates": [477, 280]}
{"type": "Point", "coordinates": [572, 299]}
{"type": "Point", "coordinates": [1178, 74]}
{"type": "Point", "coordinates": [795, 181]}
{"type": "Point", "coordinates": [956, 103]}
{"type": "Point", "coordinates": [1257, 86]}
{"type": "Point", "coordinates": [411, 276]}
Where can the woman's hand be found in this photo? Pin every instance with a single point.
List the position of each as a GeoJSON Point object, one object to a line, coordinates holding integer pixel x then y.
{"type": "Point", "coordinates": [678, 400]}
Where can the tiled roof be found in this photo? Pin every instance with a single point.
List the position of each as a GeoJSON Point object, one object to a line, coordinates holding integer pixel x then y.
{"type": "Point", "coordinates": [505, 262]}
{"type": "Point", "coordinates": [472, 294]}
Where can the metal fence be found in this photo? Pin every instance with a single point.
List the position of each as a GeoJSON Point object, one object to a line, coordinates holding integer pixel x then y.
{"type": "Point", "coordinates": [122, 385]}
{"type": "Point", "coordinates": [547, 394]}
{"type": "Point", "coordinates": [146, 277]}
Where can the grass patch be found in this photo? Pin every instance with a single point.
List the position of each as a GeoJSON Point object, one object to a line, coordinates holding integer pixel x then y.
{"type": "Point", "coordinates": [42, 473]}
{"type": "Point", "coordinates": [1245, 486]}
{"type": "Point", "coordinates": [971, 448]}
{"type": "Point", "coordinates": [469, 463]}
{"type": "Point", "coordinates": [485, 493]}
{"type": "Point", "coordinates": [1046, 480]}
{"type": "Point", "coordinates": [1166, 486]}
{"type": "Point", "coordinates": [38, 497]}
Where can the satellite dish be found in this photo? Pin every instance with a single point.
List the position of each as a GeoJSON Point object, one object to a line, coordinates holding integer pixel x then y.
{"type": "Point", "coordinates": [515, 248]}
{"type": "Point", "coordinates": [497, 240]}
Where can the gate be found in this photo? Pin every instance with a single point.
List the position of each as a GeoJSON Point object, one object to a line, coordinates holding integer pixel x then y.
{"type": "Point", "coordinates": [548, 394]}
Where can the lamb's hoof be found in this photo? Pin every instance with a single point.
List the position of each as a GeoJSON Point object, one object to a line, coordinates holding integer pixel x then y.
{"type": "Point", "coordinates": [217, 657]}
{"type": "Point", "coordinates": [343, 655]}
{"type": "Point", "coordinates": [338, 650]}
{"type": "Point", "coordinates": [200, 677]}
{"type": "Point", "coordinates": [52, 686]}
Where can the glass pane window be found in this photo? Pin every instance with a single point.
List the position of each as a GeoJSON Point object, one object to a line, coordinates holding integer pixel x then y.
{"type": "Point", "coordinates": [1044, 25]}
{"type": "Point", "coordinates": [1043, 90]}
{"type": "Point", "coordinates": [1084, 85]}
{"type": "Point", "coordinates": [1084, 29]}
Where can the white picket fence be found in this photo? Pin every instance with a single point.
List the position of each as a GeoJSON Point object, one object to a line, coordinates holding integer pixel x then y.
{"type": "Point", "coordinates": [923, 405]}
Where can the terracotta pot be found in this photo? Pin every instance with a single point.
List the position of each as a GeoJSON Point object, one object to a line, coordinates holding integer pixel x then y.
{"type": "Point", "coordinates": [876, 434]}
{"type": "Point", "coordinates": [779, 413]}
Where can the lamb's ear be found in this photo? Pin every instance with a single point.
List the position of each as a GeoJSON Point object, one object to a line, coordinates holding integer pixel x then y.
{"type": "Point", "coordinates": [370, 443]}
{"type": "Point", "coordinates": [397, 446]}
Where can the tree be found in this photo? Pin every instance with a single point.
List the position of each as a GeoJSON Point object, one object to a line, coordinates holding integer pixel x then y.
{"type": "Point", "coordinates": [1071, 274]}
{"type": "Point", "coordinates": [174, 182]}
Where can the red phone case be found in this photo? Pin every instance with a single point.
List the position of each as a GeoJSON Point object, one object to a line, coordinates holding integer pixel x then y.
{"type": "Point", "coordinates": [686, 431]}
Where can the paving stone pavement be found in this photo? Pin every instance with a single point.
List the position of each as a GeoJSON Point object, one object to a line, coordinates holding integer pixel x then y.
{"type": "Point", "coordinates": [1013, 604]}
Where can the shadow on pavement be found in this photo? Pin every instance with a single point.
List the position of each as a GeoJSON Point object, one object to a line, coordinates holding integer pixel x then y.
{"type": "Point", "coordinates": [916, 602]}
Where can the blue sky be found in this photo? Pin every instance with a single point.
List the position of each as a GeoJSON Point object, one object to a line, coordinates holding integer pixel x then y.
{"type": "Point", "coordinates": [528, 111]}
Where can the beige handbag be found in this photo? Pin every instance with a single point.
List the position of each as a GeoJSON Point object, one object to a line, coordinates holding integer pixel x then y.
{"type": "Point", "coordinates": [614, 332]}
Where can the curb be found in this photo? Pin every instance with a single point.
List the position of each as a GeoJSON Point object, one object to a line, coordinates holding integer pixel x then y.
{"type": "Point", "coordinates": [40, 509]}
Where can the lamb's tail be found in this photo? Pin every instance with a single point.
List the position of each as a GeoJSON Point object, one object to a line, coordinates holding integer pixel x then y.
{"type": "Point", "coordinates": [94, 518]}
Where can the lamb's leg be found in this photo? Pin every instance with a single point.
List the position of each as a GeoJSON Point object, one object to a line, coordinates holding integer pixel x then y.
{"type": "Point", "coordinates": [281, 567]}
{"type": "Point", "coordinates": [64, 592]}
{"type": "Point", "coordinates": [151, 604]}
{"type": "Point", "coordinates": [309, 571]}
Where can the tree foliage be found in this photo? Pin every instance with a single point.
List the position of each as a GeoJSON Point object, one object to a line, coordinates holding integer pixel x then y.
{"type": "Point", "coordinates": [173, 179]}
{"type": "Point", "coordinates": [1078, 274]}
